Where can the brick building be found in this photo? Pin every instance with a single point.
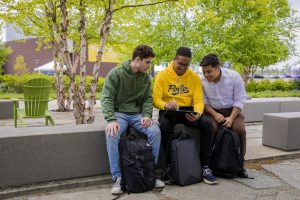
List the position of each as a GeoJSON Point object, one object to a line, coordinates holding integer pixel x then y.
{"type": "Point", "coordinates": [27, 47]}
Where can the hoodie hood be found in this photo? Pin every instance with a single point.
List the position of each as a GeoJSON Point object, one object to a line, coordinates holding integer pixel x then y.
{"type": "Point", "coordinates": [127, 69]}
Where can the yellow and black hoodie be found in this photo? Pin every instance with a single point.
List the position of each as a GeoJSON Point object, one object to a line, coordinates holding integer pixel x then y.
{"type": "Point", "coordinates": [186, 89]}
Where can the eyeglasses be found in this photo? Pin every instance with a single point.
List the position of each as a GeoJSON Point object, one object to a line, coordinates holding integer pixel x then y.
{"type": "Point", "coordinates": [180, 64]}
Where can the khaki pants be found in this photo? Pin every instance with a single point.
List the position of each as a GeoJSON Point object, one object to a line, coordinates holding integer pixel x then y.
{"type": "Point", "coordinates": [238, 126]}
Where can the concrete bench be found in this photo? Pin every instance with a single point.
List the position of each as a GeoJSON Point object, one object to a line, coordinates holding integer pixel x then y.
{"type": "Point", "coordinates": [282, 130]}
{"type": "Point", "coordinates": [6, 109]}
{"type": "Point", "coordinates": [39, 154]}
{"type": "Point", "coordinates": [254, 110]}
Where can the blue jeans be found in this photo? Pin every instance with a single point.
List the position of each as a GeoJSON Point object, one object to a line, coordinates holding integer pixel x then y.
{"type": "Point", "coordinates": [125, 120]}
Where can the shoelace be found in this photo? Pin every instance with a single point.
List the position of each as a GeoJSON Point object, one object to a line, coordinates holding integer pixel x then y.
{"type": "Point", "coordinates": [117, 183]}
{"type": "Point", "coordinates": [206, 172]}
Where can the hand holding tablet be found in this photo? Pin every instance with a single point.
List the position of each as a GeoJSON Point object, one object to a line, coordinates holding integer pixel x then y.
{"type": "Point", "coordinates": [192, 116]}
{"type": "Point", "coordinates": [180, 114]}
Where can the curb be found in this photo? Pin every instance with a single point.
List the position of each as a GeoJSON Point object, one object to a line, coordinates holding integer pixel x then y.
{"type": "Point", "coordinates": [92, 181]}
{"type": "Point", "coordinates": [54, 186]}
{"type": "Point", "coordinates": [279, 157]}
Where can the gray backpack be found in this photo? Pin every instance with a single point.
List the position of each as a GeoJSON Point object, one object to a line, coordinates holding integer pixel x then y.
{"type": "Point", "coordinates": [184, 168]}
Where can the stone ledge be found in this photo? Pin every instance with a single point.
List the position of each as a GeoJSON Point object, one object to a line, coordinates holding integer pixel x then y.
{"type": "Point", "coordinates": [255, 110]}
{"type": "Point", "coordinates": [39, 154]}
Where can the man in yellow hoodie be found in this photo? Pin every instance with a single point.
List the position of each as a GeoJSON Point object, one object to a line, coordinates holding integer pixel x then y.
{"type": "Point", "coordinates": [178, 87]}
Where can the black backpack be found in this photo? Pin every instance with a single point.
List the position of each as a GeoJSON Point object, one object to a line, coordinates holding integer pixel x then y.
{"type": "Point", "coordinates": [226, 158]}
{"type": "Point", "coordinates": [184, 168]}
{"type": "Point", "coordinates": [137, 165]}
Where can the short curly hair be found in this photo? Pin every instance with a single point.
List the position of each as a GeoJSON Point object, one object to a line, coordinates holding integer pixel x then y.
{"type": "Point", "coordinates": [210, 59]}
{"type": "Point", "coordinates": [143, 51]}
{"type": "Point", "coordinates": [183, 51]}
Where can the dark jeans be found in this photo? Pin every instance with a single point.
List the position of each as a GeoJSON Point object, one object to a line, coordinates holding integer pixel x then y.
{"type": "Point", "coordinates": [203, 124]}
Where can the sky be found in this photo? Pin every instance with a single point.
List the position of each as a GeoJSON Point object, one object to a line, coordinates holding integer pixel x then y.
{"type": "Point", "coordinates": [295, 4]}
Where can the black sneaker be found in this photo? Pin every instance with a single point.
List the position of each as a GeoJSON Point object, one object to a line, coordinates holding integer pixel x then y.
{"type": "Point", "coordinates": [164, 177]}
{"type": "Point", "coordinates": [243, 174]}
{"type": "Point", "coordinates": [208, 177]}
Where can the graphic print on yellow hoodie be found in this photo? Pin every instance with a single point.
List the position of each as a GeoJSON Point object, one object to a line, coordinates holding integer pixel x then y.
{"type": "Point", "coordinates": [185, 89]}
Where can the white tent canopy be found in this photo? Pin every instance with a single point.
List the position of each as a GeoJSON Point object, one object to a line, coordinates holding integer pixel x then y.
{"type": "Point", "coordinates": [47, 68]}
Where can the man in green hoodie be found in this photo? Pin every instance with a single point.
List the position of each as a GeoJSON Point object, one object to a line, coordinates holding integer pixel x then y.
{"type": "Point", "coordinates": [127, 101]}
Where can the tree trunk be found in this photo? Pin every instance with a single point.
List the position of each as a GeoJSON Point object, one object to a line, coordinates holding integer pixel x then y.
{"type": "Point", "coordinates": [246, 74]}
{"type": "Point", "coordinates": [253, 70]}
{"type": "Point", "coordinates": [59, 80]}
{"type": "Point", "coordinates": [61, 97]}
{"type": "Point", "coordinates": [65, 50]}
{"type": "Point", "coordinates": [55, 58]}
{"type": "Point", "coordinates": [105, 26]}
{"type": "Point", "coordinates": [79, 95]}
{"type": "Point", "coordinates": [59, 83]}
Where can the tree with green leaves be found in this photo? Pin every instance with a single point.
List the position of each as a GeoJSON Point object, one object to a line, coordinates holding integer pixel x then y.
{"type": "Point", "coordinates": [35, 19]}
{"type": "Point", "coordinates": [254, 33]}
{"type": "Point", "coordinates": [44, 17]}
{"type": "Point", "coordinates": [107, 22]}
{"type": "Point", "coordinates": [248, 33]}
{"type": "Point", "coordinates": [4, 52]}
{"type": "Point", "coordinates": [20, 67]}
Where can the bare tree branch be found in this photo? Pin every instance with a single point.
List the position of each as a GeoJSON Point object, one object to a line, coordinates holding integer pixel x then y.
{"type": "Point", "coordinates": [36, 23]}
{"type": "Point", "coordinates": [141, 5]}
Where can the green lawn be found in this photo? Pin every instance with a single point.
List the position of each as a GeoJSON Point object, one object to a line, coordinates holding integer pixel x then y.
{"type": "Point", "coordinates": [266, 94]}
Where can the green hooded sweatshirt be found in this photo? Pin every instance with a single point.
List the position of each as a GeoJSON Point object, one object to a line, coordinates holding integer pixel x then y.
{"type": "Point", "coordinates": [126, 92]}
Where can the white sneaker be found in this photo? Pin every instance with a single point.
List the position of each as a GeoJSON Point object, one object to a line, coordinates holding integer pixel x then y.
{"type": "Point", "coordinates": [159, 183]}
{"type": "Point", "coordinates": [116, 188]}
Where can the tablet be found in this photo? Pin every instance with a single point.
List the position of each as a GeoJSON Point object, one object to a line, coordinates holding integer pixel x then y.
{"type": "Point", "coordinates": [179, 113]}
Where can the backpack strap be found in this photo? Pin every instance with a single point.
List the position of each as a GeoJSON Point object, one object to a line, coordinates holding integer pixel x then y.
{"type": "Point", "coordinates": [172, 137]}
{"type": "Point", "coordinates": [218, 138]}
{"type": "Point", "coordinates": [237, 145]}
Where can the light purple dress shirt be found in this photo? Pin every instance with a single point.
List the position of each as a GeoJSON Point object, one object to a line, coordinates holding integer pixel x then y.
{"type": "Point", "coordinates": [228, 92]}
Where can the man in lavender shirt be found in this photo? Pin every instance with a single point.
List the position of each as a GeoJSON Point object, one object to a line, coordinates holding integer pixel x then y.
{"type": "Point", "coordinates": [224, 96]}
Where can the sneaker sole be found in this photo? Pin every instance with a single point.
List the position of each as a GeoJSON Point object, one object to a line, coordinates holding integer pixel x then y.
{"type": "Point", "coordinates": [117, 193]}
{"type": "Point", "coordinates": [209, 182]}
{"type": "Point", "coordinates": [160, 186]}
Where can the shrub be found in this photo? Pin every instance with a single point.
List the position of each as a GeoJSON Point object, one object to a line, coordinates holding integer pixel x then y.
{"type": "Point", "coordinates": [100, 85]}
{"type": "Point", "coordinates": [88, 82]}
{"type": "Point", "coordinates": [14, 83]}
{"type": "Point", "coordinates": [251, 86]}
{"type": "Point", "coordinates": [277, 85]}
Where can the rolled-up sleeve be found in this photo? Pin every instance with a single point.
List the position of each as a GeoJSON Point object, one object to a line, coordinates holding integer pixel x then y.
{"type": "Point", "coordinates": [239, 92]}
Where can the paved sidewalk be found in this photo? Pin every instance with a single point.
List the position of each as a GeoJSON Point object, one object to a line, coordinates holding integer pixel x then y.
{"type": "Point", "coordinates": [280, 181]}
